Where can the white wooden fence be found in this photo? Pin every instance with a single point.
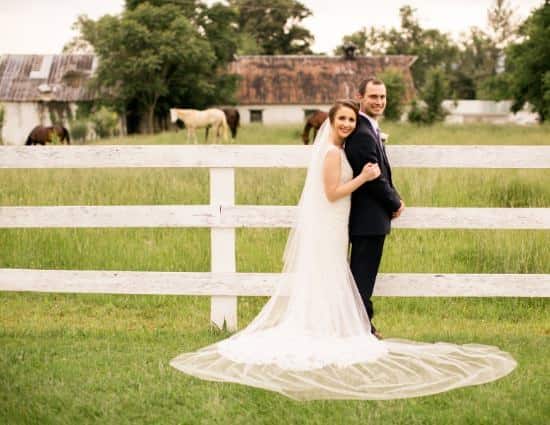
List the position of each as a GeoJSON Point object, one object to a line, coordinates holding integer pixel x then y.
{"type": "Point", "coordinates": [223, 216]}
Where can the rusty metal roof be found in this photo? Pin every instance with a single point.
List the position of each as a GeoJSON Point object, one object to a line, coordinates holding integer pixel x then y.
{"type": "Point", "coordinates": [30, 78]}
{"type": "Point", "coordinates": [296, 79]}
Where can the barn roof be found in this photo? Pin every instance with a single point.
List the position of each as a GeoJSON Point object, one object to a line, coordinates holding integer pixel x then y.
{"type": "Point", "coordinates": [30, 78]}
{"type": "Point", "coordinates": [310, 79]}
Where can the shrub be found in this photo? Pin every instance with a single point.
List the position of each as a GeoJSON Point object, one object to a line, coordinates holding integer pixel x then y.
{"type": "Point", "coordinates": [418, 113]}
{"type": "Point", "coordinates": [395, 85]}
{"type": "Point", "coordinates": [79, 130]}
{"type": "Point", "coordinates": [430, 109]}
{"type": "Point", "coordinates": [105, 122]}
{"type": "Point", "coordinates": [434, 94]}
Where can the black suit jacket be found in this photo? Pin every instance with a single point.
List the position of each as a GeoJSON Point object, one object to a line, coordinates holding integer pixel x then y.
{"type": "Point", "coordinates": [373, 203]}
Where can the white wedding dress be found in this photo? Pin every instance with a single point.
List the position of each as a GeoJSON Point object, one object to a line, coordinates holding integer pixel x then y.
{"type": "Point", "coordinates": [312, 340]}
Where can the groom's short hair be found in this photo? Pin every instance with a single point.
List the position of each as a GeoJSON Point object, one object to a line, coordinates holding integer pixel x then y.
{"type": "Point", "coordinates": [363, 84]}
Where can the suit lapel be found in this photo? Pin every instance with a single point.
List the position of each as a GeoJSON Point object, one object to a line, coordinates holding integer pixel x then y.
{"type": "Point", "coordinates": [378, 143]}
{"type": "Point", "coordinates": [380, 148]}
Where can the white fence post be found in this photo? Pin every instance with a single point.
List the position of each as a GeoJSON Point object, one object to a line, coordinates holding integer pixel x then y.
{"type": "Point", "coordinates": [222, 242]}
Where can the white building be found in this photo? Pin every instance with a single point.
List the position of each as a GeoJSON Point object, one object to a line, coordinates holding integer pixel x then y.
{"type": "Point", "coordinates": [487, 111]}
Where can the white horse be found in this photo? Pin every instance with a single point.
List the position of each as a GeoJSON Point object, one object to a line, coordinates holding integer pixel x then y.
{"type": "Point", "coordinates": [193, 119]}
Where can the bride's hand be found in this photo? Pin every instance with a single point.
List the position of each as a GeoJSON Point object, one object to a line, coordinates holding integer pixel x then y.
{"type": "Point", "coordinates": [370, 171]}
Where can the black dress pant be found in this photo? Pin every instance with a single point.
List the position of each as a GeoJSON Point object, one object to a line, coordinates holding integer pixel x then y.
{"type": "Point", "coordinates": [366, 253]}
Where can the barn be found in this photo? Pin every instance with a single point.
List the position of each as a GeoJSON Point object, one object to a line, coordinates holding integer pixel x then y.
{"type": "Point", "coordinates": [41, 89]}
{"type": "Point", "coordinates": [284, 88]}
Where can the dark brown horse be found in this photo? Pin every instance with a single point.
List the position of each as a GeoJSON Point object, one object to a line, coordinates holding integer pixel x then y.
{"type": "Point", "coordinates": [313, 120]}
{"type": "Point", "coordinates": [233, 119]}
{"type": "Point", "coordinates": [40, 135]}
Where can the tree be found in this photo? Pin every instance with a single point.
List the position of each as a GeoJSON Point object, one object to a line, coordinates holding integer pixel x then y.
{"type": "Point", "coordinates": [430, 110]}
{"type": "Point", "coordinates": [395, 85]}
{"type": "Point", "coordinates": [502, 24]}
{"type": "Point", "coordinates": [528, 63]}
{"type": "Point", "coordinates": [475, 63]}
{"type": "Point", "coordinates": [431, 47]}
{"type": "Point", "coordinates": [434, 94]}
{"type": "Point", "coordinates": [154, 57]}
{"type": "Point", "coordinates": [367, 41]}
{"type": "Point", "coordinates": [272, 26]}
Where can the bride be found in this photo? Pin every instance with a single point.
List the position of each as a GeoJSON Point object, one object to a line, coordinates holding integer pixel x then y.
{"type": "Point", "coordinates": [312, 340]}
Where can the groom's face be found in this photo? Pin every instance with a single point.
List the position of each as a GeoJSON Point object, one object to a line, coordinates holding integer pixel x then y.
{"type": "Point", "coordinates": [373, 102]}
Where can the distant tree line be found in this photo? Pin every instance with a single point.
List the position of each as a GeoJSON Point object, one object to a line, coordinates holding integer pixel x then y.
{"type": "Point", "coordinates": [162, 53]}
{"type": "Point", "coordinates": [509, 61]}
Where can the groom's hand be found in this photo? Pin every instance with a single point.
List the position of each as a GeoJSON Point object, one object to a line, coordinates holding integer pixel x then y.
{"type": "Point", "coordinates": [399, 211]}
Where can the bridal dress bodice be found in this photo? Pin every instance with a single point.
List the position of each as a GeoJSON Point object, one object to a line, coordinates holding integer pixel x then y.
{"type": "Point", "coordinates": [312, 340]}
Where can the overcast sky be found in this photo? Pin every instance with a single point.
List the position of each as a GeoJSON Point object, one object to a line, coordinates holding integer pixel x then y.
{"type": "Point", "coordinates": [44, 26]}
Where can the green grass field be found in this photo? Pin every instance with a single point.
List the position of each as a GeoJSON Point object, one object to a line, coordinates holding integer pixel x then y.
{"type": "Point", "coordinates": [67, 359]}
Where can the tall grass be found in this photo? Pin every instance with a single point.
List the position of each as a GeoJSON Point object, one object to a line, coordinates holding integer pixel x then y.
{"type": "Point", "coordinates": [68, 359]}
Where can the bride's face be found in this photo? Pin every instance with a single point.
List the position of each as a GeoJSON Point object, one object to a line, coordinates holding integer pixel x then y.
{"type": "Point", "coordinates": [344, 122]}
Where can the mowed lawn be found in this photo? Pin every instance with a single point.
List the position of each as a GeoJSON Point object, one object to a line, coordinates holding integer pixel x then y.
{"type": "Point", "coordinates": [67, 359]}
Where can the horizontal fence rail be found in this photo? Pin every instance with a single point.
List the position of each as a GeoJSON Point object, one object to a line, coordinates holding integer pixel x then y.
{"type": "Point", "coordinates": [223, 284]}
{"type": "Point", "coordinates": [221, 216]}
{"type": "Point", "coordinates": [263, 284]}
{"type": "Point", "coordinates": [267, 156]}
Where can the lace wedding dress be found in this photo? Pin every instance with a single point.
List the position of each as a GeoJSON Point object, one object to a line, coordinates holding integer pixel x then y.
{"type": "Point", "coordinates": [312, 339]}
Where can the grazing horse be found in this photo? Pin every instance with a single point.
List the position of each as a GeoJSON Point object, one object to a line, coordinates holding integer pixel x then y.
{"type": "Point", "coordinates": [313, 120]}
{"type": "Point", "coordinates": [193, 119]}
{"type": "Point", "coordinates": [233, 118]}
{"type": "Point", "coordinates": [41, 135]}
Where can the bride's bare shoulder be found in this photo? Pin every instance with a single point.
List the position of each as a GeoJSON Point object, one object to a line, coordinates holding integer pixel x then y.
{"type": "Point", "coordinates": [332, 151]}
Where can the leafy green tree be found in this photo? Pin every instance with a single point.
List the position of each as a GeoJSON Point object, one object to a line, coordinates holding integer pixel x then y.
{"type": "Point", "coordinates": [528, 63]}
{"type": "Point", "coordinates": [477, 72]}
{"type": "Point", "coordinates": [431, 47]}
{"type": "Point", "coordinates": [434, 94]}
{"type": "Point", "coordinates": [273, 25]}
{"type": "Point", "coordinates": [502, 23]}
{"type": "Point", "coordinates": [430, 110]}
{"type": "Point", "coordinates": [395, 86]}
{"type": "Point", "coordinates": [187, 7]}
{"type": "Point", "coordinates": [476, 62]}
{"type": "Point", "coordinates": [368, 41]}
{"type": "Point", "coordinates": [154, 57]}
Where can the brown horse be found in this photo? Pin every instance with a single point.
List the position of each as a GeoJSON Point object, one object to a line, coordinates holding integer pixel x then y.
{"type": "Point", "coordinates": [40, 135]}
{"type": "Point", "coordinates": [313, 120]}
{"type": "Point", "coordinates": [233, 118]}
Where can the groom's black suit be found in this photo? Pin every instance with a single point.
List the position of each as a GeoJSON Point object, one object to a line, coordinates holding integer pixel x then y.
{"type": "Point", "coordinates": [372, 206]}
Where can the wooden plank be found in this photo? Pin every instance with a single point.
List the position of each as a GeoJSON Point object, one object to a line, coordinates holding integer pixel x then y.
{"type": "Point", "coordinates": [204, 156]}
{"type": "Point", "coordinates": [228, 216]}
{"type": "Point", "coordinates": [475, 156]}
{"type": "Point", "coordinates": [272, 156]}
{"type": "Point", "coordinates": [223, 309]}
{"type": "Point", "coordinates": [111, 216]}
{"type": "Point", "coordinates": [262, 284]}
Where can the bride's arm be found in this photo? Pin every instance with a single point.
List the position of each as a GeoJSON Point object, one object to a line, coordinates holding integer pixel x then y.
{"type": "Point", "coordinates": [335, 190]}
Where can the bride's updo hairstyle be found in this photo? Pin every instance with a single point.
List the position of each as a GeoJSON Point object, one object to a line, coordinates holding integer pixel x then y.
{"type": "Point", "coordinates": [343, 103]}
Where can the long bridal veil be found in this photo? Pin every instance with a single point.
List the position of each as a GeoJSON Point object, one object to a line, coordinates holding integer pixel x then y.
{"type": "Point", "coordinates": [312, 339]}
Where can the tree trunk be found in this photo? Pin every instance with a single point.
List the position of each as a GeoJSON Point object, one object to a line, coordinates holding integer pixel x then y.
{"type": "Point", "coordinates": [150, 119]}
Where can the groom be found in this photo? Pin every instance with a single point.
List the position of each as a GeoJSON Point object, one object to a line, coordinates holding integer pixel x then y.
{"type": "Point", "coordinates": [377, 202]}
